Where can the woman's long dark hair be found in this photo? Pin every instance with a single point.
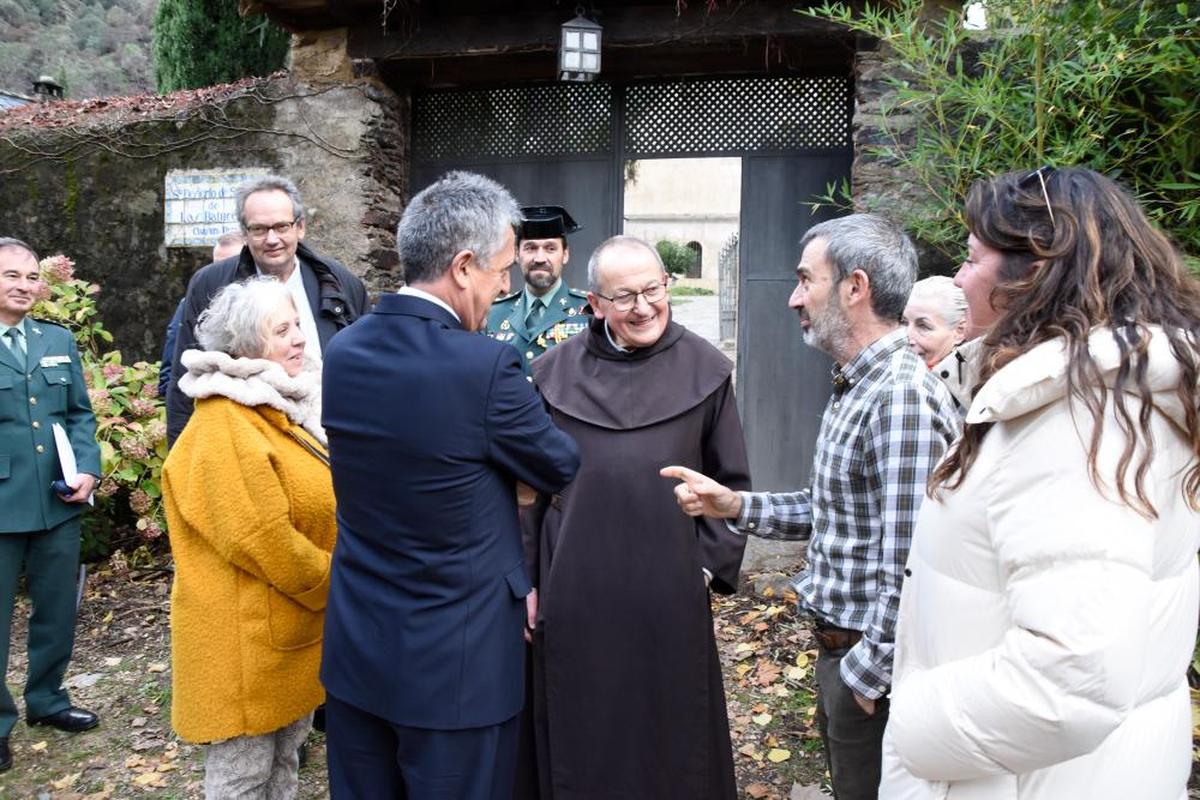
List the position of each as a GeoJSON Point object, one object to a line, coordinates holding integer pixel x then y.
{"type": "Point", "coordinates": [1080, 253]}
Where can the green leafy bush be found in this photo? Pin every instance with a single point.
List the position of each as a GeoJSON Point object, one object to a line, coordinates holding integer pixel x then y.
{"type": "Point", "coordinates": [131, 423]}
{"type": "Point", "coordinates": [677, 258]}
{"type": "Point", "coordinates": [1106, 85]}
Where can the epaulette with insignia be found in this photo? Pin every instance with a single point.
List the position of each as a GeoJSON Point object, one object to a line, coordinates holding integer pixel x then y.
{"type": "Point", "coordinates": [580, 293]}
{"type": "Point", "coordinates": [508, 297]}
{"type": "Point", "coordinates": [49, 322]}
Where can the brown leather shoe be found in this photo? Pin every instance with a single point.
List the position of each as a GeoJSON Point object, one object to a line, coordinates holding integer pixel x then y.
{"type": "Point", "coordinates": [71, 720]}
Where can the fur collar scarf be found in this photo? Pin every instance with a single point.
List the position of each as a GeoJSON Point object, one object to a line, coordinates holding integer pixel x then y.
{"type": "Point", "coordinates": [257, 382]}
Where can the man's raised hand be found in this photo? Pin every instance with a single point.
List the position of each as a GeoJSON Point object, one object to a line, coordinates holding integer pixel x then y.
{"type": "Point", "coordinates": [698, 494]}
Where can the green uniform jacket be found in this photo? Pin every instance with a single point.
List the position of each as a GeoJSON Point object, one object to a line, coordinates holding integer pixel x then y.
{"type": "Point", "coordinates": [563, 319]}
{"type": "Point", "coordinates": [49, 390]}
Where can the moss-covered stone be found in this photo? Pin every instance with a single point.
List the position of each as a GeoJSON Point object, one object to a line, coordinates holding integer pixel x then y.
{"type": "Point", "coordinates": [93, 188]}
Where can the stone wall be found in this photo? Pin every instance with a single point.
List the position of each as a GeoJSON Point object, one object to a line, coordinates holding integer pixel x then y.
{"type": "Point", "coordinates": [87, 179]}
{"type": "Point", "coordinates": [879, 181]}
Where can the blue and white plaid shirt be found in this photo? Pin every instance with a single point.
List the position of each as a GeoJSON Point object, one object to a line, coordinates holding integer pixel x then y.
{"type": "Point", "coordinates": [881, 434]}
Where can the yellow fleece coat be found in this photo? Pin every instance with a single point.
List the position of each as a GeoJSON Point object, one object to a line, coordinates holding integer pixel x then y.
{"type": "Point", "coordinates": [251, 517]}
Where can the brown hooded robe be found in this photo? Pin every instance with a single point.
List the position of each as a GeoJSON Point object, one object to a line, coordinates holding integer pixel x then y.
{"type": "Point", "coordinates": [628, 700]}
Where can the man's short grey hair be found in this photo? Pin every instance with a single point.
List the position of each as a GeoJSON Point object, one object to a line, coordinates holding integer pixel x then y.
{"type": "Point", "coordinates": [235, 321]}
{"type": "Point", "coordinates": [615, 242]}
{"type": "Point", "coordinates": [879, 248]}
{"type": "Point", "coordinates": [8, 241]}
{"type": "Point", "coordinates": [460, 211]}
{"type": "Point", "coordinates": [269, 183]}
{"type": "Point", "coordinates": [948, 299]}
{"type": "Point", "coordinates": [227, 240]}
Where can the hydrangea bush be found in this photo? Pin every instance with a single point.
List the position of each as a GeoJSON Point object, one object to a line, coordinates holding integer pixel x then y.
{"type": "Point", "coordinates": [130, 417]}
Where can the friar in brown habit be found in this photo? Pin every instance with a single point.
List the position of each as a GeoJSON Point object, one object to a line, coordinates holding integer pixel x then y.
{"type": "Point", "coordinates": [627, 698]}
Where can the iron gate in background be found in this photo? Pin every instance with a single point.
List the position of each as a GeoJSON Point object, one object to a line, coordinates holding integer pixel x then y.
{"type": "Point", "coordinates": [568, 144]}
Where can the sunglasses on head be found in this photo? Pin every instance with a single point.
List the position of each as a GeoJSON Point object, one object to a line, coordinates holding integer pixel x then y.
{"type": "Point", "coordinates": [1041, 173]}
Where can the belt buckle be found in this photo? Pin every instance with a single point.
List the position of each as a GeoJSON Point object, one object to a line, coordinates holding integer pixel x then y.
{"type": "Point", "coordinates": [834, 638]}
{"type": "Point", "coordinates": [826, 638]}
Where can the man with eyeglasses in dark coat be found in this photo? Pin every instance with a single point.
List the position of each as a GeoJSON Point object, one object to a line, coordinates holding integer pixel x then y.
{"type": "Point", "coordinates": [328, 296]}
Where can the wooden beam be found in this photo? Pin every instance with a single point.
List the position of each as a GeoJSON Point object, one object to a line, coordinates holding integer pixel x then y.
{"type": "Point", "coordinates": [431, 36]}
{"type": "Point", "coordinates": [792, 57]}
{"type": "Point", "coordinates": [299, 16]}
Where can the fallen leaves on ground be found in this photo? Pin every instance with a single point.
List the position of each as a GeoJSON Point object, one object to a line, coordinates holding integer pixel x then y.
{"type": "Point", "coordinates": [120, 670]}
{"type": "Point", "coordinates": [766, 653]}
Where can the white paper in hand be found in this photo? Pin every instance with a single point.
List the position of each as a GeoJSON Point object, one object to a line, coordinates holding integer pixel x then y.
{"type": "Point", "coordinates": [66, 457]}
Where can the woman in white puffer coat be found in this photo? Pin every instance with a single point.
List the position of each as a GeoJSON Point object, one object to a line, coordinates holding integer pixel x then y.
{"type": "Point", "coordinates": [1049, 610]}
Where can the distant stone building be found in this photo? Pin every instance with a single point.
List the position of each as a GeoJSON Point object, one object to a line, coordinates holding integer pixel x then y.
{"type": "Point", "coordinates": [693, 202]}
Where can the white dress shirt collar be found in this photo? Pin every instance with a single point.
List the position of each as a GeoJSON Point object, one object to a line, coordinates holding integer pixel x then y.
{"type": "Point", "coordinates": [411, 292]}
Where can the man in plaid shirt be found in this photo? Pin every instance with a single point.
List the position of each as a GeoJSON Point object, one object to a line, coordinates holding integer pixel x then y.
{"type": "Point", "coordinates": [886, 425]}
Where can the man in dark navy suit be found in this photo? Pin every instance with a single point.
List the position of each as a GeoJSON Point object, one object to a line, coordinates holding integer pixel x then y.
{"type": "Point", "coordinates": [431, 428]}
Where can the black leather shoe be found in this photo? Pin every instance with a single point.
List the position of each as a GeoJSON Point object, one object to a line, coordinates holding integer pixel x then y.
{"type": "Point", "coordinates": [71, 720]}
{"type": "Point", "coordinates": [5, 754]}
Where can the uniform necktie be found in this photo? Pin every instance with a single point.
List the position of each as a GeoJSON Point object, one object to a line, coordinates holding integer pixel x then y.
{"type": "Point", "coordinates": [16, 343]}
{"type": "Point", "coordinates": [535, 315]}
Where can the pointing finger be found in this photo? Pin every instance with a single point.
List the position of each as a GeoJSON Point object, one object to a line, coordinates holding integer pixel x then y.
{"type": "Point", "coordinates": [689, 476]}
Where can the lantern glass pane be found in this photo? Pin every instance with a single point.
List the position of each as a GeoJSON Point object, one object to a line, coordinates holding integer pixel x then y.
{"type": "Point", "coordinates": [591, 41]}
{"type": "Point", "coordinates": [571, 60]}
{"type": "Point", "coordinates": [571, 40]}
{"type": "Point", "coordinates": [591, 62]}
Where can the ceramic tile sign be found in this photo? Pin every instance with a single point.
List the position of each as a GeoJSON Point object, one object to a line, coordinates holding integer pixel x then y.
{"type": "Point", "coordinates": [199, 204]}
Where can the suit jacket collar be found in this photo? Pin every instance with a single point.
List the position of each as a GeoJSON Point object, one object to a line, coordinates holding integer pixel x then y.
{"type": "Point", "coordinates": [410, 306]}
{"type": "Point", "coordinates": [516, 318]}
{"type": "Point", "coordinates": [36, 344]}
{"type": "Point", "coordinates": [35, 347]}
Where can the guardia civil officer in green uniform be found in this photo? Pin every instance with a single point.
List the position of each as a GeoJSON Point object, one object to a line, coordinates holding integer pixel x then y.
{"type": "Point", "coordinates": [41, 383]}
{"type": "Point", "coordinates": [545, 312]}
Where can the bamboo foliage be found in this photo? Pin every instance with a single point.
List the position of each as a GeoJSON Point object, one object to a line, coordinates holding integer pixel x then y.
{"type": "Point", "coordinates": [1114, 86]}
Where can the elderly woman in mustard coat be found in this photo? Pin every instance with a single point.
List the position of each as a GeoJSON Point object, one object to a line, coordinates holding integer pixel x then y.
{"type": "Point", "coordinates": [251, 512]}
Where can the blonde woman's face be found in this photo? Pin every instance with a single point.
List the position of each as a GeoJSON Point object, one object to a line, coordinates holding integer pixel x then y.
{"type": "Point", "coordinates": [285, 342]}
{"type": "Point", "coordinates": [928, 334]}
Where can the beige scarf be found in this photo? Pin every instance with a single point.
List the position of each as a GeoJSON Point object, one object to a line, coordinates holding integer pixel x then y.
{"type": "Point", "coordinates": [257, 382]}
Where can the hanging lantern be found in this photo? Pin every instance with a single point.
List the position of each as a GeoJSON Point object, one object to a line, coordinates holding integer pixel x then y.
{"type": "Point", "coordinates": [579, 50]}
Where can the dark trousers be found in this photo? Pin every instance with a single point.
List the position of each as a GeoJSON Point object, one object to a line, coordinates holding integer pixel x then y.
{"type": "Point", "coordinates": [853, 740]}
{"type": "Point", "coordinates": [50, 560]}
{"type": "Point", "coordinates": [370, 758]}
